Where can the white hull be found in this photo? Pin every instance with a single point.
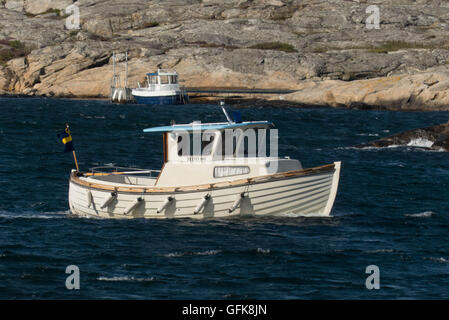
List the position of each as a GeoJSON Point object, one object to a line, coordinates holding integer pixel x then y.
{"type": "Point", "coordinates": [306, 192]}
{"type": "Point", "coordinates": [144, 92]}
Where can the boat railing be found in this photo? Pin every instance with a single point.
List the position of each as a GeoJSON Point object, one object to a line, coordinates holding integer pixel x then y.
{"type": "Point", "coordinates": [184, 95]}
{"type": "Point", "coordinates": [124, 170]}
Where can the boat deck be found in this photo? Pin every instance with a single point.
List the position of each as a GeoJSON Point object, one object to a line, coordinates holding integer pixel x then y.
{"type": "Point", "coordinates": [112, 175]}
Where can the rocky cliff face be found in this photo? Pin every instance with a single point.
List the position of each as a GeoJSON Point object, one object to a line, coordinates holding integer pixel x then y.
{"type": "Point", "coordinates": [322, 48]}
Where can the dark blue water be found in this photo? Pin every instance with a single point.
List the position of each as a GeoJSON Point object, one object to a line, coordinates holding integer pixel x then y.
{"type": "Point", "coordinates": [391, 211]}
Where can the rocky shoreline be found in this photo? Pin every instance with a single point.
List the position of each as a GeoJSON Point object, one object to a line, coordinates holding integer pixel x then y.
{"type": "Point", "coordinates": [432, 138]}
{"type": "Point", "coordinates": [321, 49]}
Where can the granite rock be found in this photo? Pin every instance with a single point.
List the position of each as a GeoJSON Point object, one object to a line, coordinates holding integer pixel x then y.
{"type": "Point", "coordinates": [322, 49]}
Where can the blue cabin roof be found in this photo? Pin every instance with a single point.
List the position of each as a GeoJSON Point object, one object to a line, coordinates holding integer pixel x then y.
{"type": "Point", "coordinates": [210, 126]}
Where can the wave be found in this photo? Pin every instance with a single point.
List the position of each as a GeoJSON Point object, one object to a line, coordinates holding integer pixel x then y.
{"type": "Point", "coordinates": [34, 214]}
{"type": "Point", "coordinates": [263, 251]}
{"type": "Point", "coordinates": [85, 116]}
{"type": "Point", "coordinates": [370, 147]}
{"type": "Point", "coordinates": [381, 251]}
{"type": "Point", "coordinates": [368, 134]}
{"type": "Point", "coordinates": [424, 214]}
{"type": "Point", "coordinates": [412, 146]}
{"type": "Point", "coordinates": [298, 215]}
{"type": "Point", "coordinates": [126, 278]}
{"type": "Point", "coordinates": [212, 252]}
{"type": "Point", "coordinates": [420, 143]}
{"type": "Point", "coordinates": [189, 253]}
{"type": "Point", "coordinates": [440, 259]}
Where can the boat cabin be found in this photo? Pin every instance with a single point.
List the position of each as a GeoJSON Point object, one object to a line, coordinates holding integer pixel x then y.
{"type": "Point", "coordinates": [202, 153]}
{"type": "Point", "coordinates": [162, 76]}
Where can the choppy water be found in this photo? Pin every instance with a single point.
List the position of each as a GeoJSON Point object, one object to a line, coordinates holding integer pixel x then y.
{"type": "Point", "coordinates": [391, 211]}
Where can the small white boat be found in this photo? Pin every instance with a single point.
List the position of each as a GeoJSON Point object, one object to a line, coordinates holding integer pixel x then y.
{"type": "Point", "coordinates": [162, 89]}
{"type": "Point", "coordinates": [210, 183]}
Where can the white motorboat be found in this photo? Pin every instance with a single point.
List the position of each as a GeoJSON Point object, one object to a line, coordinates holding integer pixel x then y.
{"type": "Point", "coordinates": [162, 89]}
{"type": "Point", "coordinates": [212, 182]}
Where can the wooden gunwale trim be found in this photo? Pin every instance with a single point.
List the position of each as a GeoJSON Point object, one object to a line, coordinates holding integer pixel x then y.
{"type": "Point", "coordinates": [91, 174]}
{"type": "Point", "coordinates": [241, 182]}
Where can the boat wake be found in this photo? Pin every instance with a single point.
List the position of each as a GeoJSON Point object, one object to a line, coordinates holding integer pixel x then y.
{"type": "Point", "coordinates": [34, 215]}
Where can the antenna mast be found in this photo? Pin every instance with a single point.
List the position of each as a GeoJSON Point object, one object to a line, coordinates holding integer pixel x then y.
{"type": "Point", "coordinates": [222, 104]}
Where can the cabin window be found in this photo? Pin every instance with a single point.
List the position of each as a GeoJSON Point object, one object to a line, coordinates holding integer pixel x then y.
{"type": "Point", "coordinates": [164, 79]}
{"type": "Point", "coordinates": [173, 79]}
{"type": "Point", "coordinates": [240, 143]}
{"type": "Point", "coordinates": [227, 171]}
{"type": "Point", "coordinates": [206, 145]}
{"type": "Point", "coordinates": [233, 142]}
{"type": "Point", "coordinates": [153, 80]}
{"type": "Point", "coordinates": [186, 147]}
